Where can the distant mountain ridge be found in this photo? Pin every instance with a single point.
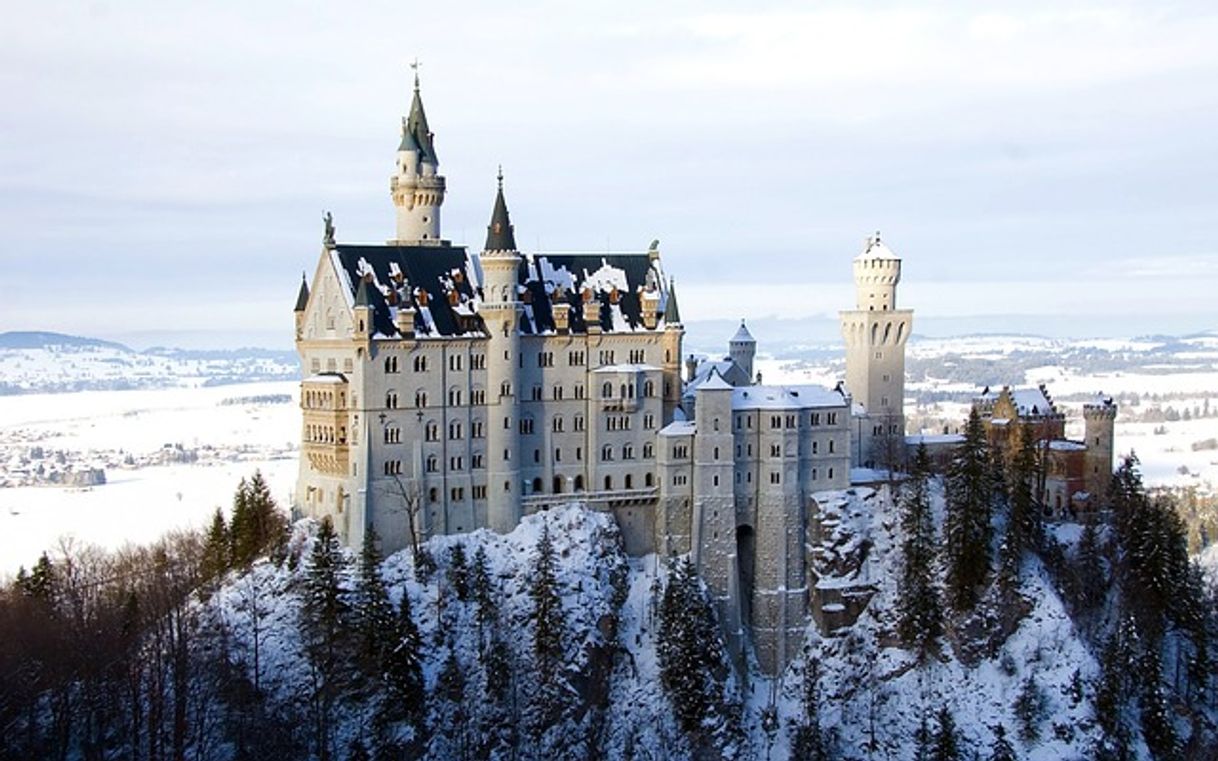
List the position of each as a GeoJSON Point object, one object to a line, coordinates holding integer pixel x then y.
{"type": "Point", "coordinates": [41, 339]}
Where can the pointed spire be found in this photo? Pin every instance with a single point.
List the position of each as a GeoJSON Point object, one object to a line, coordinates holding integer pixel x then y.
{"type": "Point", "coordinates": [361, 294]}
{"type": "Point", "coordinates": [743, 334]}
{"type": "Point", "coordinates": [499, 233]}
{"type": "Point", "coordinates": [416, 125]}
{"type": "Point", "coordinates": [672, 315]}
{"type": "Point", "coordinates": [302, 298]}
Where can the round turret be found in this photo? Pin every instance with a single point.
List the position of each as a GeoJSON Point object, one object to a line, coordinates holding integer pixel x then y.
{"type": "Point", "coordinates": [742, 349]}
{"type": "Point", "coordinates": [877, 271]}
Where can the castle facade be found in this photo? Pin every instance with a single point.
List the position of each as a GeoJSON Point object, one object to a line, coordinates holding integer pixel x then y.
{"type": "Point", "coordinates": [447, 390]}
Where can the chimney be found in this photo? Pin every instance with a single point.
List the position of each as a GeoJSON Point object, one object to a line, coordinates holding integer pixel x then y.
{"type": "Point", "coordinates": [650, 300]}
{"type": "Point", "coordinates": [691, 367]}
{"type": "Point", "coordinates": [405, 320]}
{"type": "Point", "coordinates": [592, 311]}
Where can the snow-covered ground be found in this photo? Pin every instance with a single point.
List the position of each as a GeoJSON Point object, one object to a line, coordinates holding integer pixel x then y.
{"type": "Point", "coordinates": [228, 432]}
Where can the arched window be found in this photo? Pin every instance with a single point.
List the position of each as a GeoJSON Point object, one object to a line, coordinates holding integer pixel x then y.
{"type": "Point", "coordinates": [433, 463]}
{"type": "Point", "coordinates": [558, 484]}
{"type": "Point", "coordinates": [607, 390]}
{"type": "Point", "coordinates": [649, 480]}
{"type": "Point", "coordinates": [579, 483]}
{"type": "Point", "coordinates": [391, 400]}
{"type": "Point", "coordinates": [629, 480]}
{"type": "Point", "coordinates": [420, 399]}
{"type": "Point", "coordinates": [608, 483]}
{"type": "Point", "coordinates": [433, 494]}
{"type": "Point", "coordinates": [649, 389]}
{"type": "Point", "coordinates": [537, 485]}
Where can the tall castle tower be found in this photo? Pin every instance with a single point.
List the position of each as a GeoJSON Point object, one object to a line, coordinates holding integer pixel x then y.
{"type": "Point", "coordinates": [416, 187]}
{"type": "Point", "coordinates": [500, 312]}
{"type": "Point", "coordinates": [876, 332]}
{"type": "Point", "coordinates": [1099, 420]}
{"type": "Point", "coordinates": [742, 349]}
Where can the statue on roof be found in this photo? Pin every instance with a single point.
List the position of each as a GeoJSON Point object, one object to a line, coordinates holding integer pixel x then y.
{"type": "Point", "coordinates": [327, 238]}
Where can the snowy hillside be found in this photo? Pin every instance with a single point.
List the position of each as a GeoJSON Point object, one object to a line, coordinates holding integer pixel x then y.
{"type": "Point", "coordinates": [53, 363]}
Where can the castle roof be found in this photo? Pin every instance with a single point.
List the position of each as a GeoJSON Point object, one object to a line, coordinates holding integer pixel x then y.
{"type": "Point", "coordinates": [875, 249]}
{"type": "Point", "coordinates": [715, 383]}
{"type": "Point", "coordinates": [726, 368]}
{"type": "Point", "coordinates": [418, 131]}
{"type": "Point", "coordinates": [672, 314]}
{"type": "Point", "coordinates": [743, 334]}
{"type": "Point", "coordinates": [499, 233]}
{"type": "Point", "coordinates": [786, 397]}
{"type": "Point", "coordinates": [442, 284]}
{"type": "Point", "coordinates": [302, 296]}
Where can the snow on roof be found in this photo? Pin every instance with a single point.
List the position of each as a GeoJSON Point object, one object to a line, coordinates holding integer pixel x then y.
{"type": "Point", "coordinates": [626, 368]}
{"type": "Point", "coordinates": [934, 438]}
{"type": "Point", "coordinates": [875, 249]}
{"type": "Point", "coordinates": [786, 397]}
{"type": "Point", "coordinates": [1081, 496]}
{"type": "Point", "coordinates": [679, 428]}
{"type": "Point", "coordinates": [1032, 401]}
{"type": "Point", "coordinates": [1065, 445]}
{"type": "Point", "coordinates": [715, 383]}
{"type": "Point", "coordinates": [743, 334]}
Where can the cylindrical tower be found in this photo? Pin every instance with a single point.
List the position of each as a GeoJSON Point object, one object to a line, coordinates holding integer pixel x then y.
{"type": "Point", "coordinates": [500, 312]}
{"type": "Point", "coordinates": [416, 185]}
{"type": "Point", "coordinates": [877, 271]}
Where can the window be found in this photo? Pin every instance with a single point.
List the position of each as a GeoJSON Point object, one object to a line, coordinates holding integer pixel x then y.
{"type": "Point", "coordinates": [628, 452]}
{"type": "Point", "coordinates": [832, 418]}
{"type": "Point", "coordinates": [715, 480]}
{"type": "Point", "coordinates": [575, 358]}
{"type": "Point", "coordinates": [830, 472]}
{"type": "Point", "coordinates": [454, 362]}
{"type": "Point", "coordinates": [536, 455]}
{"type": "Point", "coordinates": [477, 397]}
{"type": "Point", "coordinates": [557, 393]}
{"type": "Point", "coordinates": [454, 431]}
{"type": "Point", "coordinates": [457, 493]}
{"type": "Point", "coordinates": [537, 393]}
{"type": "Point", "coordinates": [814, 419]}
{"type": "Point", "coordinates": [556, 424]}
{"type": "Point", "coordinates": [775, 477]}
{"type": "Point", "coordinates": [716, 453]}
{"type": "Point", "coordinates": [815, 447]}
{"type": "Point", "coordinates": [391, 364]}
{"type": "Point", "coordinates": [680, 452]}
{"type": "Point", "coordinates": [775, 450]}
{"type": "Point", "coordinates": [579, 454]}
{"type": "Point", "coordinates": [607, 390]}
{"type": "Point", "coordinates": [454, 397]}
{"type": "Point", "coordinates": [606, 356]}
{"type": "Point", "coordinates": [607, 453]}
{"type": "Point", "coordinates": [638, 356]}
{"type": "Point", "coordinates": [505, 389]}
{"type": "Point", "coordinates": [393, 435]}
{"type": "Point", "coordinates": [393, 467]}
{"type": "Point", "coordinates": [578, 423]}
{"type": "Point", "coordinates": [545, 359]}
{"type": "Point", "coordinates": [775, 421]}
{"type": "Point", "coordinates": [420, 364]}
{"type": "Point", "coordinates": [557, 455]}
{"type": "Point", "coordinates": [479, 492]}
{"type": "Point", "coordinates": [608, 483]}
{"type": "Point", "coordinates": [433, 494]}
{"type": "Point", "coordinates": [579, 483]}
{"type": "Point", "coordinates": [456, 463]}
{"type": "Point", "coordinates": [649, 421]}
{"type": "Point", "coordinates": [579, 391]}
{"type": "Point", "coordinates": [649, 451]}
{"type": "Point", "coordinates": [478, 362]}
{"type": "Point", "coordinates": [526, 425]}
{"type": "Point", "coordinates": [432, 431]}
{"type": "Point", "coordinates": [476, 461]}
{"type": "Point", "coordinates": [433, 463]}
{"type": "Point", "coordinates": [831, 443]}
{"type": "Point", "coordinates": [420, 399]}
{"type": "Point", "coordinates": [391, 400]}
{"type": "Point", "coordinates": [629, 481]}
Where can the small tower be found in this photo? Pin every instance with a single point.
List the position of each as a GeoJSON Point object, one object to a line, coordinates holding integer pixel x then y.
{"type": "Point", "coordinates": [500, 312]}
{"type": "Point", "coordinates": [416, 185]}
{"type": "Point", "coordinates": [674, 332]}
{"type": "Point", "coordinates": [363, 312]}
{"type": "Point", "coordinates": [302, 303]}
{"type": "Point", "coordinates": [742, 349]}
{"type": "Point", "coordinates": [876, 332]}
{"type": "Point", "coordinates": [1099, 419]}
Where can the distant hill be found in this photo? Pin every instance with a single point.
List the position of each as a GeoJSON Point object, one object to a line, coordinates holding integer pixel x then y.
{"type": "Point", "coordinates": [39, 339]}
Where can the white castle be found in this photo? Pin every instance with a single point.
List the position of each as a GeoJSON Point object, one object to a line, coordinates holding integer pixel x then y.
{"type": "Point", "coordinates": [447, 390]}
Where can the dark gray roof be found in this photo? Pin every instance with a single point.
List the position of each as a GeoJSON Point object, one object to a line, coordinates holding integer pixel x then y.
{"type": "Point", "coordinates": [416, 127]}
{"type": "Point", "coordinates": [361, 294]}
{"type": "Point", "coordinates": [302, 296]}
{"type": "Point", "coordinates": [412, 275]}
{"type": "Point", "coordinates": [499, 233]}
{"type": "Point", "coordinates": [672, 314]}
{"type": "Point", "coordinates": [546, 279]}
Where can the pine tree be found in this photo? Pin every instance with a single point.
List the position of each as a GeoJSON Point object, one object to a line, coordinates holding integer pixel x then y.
{"type": "Point", "coordinates": [403, 665]}
{"type": "Point", "coordinates": [1029, 709]}
{"type": "Point", "coordinates": [1157, 728]}
{"type": "Point", "coordinates": [357, 751]}
{"type": "Point", "coordinates": [1090, 570]}
{"type": "Point", "coordinates": [923, 740]}
{"type": "Point", "coordinates": [807, 738]}
{"type": "Point", "coordinates": [967, 525]}
{"type": "Point", "coordinates": [946, 746]}
{"type": "Point", "coordinates": [482, 589]}
{"type": "Point", "coordinates": [1001, 749]}
{"type": "Point", "coordinates": [241, 527]}
{"type": "Point", "coordinates": [1112, 694]}
{"type": "Point", "coordinates": [1023, 524]}
{"type": "Point", "coordinates": [374, 615]}
{"type": "Point", "coordinates": [216, 548]}
{"type": "Point", "coordinates": [458, 571]}
{"type": "Point", "coordinates": [549, 625]}
{"type": "Point", "coordinates": [498, 669]}
{"type": "Point", "coordinates": [920, 614]}
{"type": "Point", "coordinates": [325, 618]}
{"type": "Point", "coordinates": [689, 649]}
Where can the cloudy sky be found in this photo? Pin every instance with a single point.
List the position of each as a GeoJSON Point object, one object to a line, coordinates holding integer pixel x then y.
{"type": "Point", "coordinates": [164, 166]}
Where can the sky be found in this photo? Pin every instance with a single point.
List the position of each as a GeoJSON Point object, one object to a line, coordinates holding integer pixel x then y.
{"type": "Point", "coordinates": [1040, 167]}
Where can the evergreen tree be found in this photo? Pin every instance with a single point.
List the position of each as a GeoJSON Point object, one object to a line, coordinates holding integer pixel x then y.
{"type": "Point", "coordinates": [923, 740]}
{"type": "Point", "coordinates": [1001, 749]}
{"type": "Point", "coordinates": [946, 746]}
{"type": "Point", "coordinates": [1089, 567]}
{"type": "Point", "coordinates": [403, 664]}
{"type": "Point", "coordinates": [458, 571]}
{"type": "Point", "coordinates": [1029, 709]}
{"type": "Point", "coordinates": [1023, 524]}
{"type": "Point", "coordinates": [807, 738]}
{"type": "Point", "coordinates": [549, 625]}
{"type": "Point", "coordinates": [1157, 728]}
{"type": "Point", "coordinates": [216, 548]}
{"type": "Point", "coordinates": [357, 751]}
{"type": "Point", "coordinates": [498, 669]}
{"type": "Point", "coordinates": [1113, 692]}
{"type": "Point", "coordinates": [241, 527]}
{"type": "Point", "coordinates": [325, 618]}
{"type": "Point", "coordinates": [483, 591]}
{"type": "Point", "coordinates": [374, 616]}
{"type": "Point", "coordinates": [967, 529]}
{"type": "Point", "coordinates": [920, 614]}
{"type": "Point", "coordinates": [688, 647]}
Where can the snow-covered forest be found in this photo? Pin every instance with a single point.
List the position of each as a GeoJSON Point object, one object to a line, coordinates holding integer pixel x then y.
{"type": "Point", "coordinates": [983, 633]}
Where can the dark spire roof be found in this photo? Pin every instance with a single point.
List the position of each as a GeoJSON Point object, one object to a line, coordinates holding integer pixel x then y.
{"type": "Point", "coordinates": [361, 294]}
{"type": "Point", "coordinates": [302, 298]}
{"type": "Point", "coordinates": [417, 129]}
{"type": "Point", "coordinates": [672, 315]}
{"type": "Point", "coordinates": [499, 233]}
{"type": "Point", "coordinates": [408, 142]}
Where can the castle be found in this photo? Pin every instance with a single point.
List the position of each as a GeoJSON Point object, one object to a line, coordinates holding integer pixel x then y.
{"type": "Point", "coordinates": [447, 390]}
